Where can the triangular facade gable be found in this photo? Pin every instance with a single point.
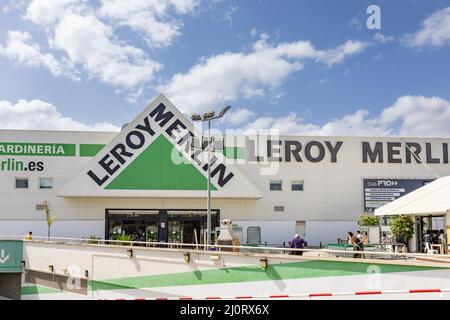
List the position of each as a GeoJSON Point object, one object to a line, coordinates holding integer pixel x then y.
{"type": "Point", "coordinates": [151, 157]}
{"type": "Point", "coordinates": [154, 170]}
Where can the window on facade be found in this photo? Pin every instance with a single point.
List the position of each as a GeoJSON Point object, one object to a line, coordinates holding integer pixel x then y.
{"type": "Point", "coordinates": [21, 183]}
{"type": "Point", "coordinates": [45, 183]}
{"type": "Point", "coordinates": [297, 186]}
{"type": "Point", "coordinates": [278, 208]}
{"type": "Point", "coordinates": [275, 185]}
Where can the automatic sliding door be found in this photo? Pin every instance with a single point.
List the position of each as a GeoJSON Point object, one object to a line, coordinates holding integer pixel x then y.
{"type": "Point", "coordinates": [141, 225]}
{"type": "Point", "coordinates": [189, 226]}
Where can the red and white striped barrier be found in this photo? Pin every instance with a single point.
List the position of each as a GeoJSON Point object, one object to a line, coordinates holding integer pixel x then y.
{"type": "Point", "coordinates": [300, 295]}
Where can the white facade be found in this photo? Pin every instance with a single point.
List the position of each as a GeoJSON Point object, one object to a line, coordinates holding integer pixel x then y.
{"type": "Point", "coordinates": [330, 203]}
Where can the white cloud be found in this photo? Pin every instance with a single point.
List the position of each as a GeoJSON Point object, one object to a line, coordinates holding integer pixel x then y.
{"type": "Point", "coordinates": [228, 15]}
{"type": "Point", "coordinates": [14, 5]}
{"type": "Point", "coordinates": [335, 56]}
{"type": "Point", "coordinates": [435, 31]}
{"type": "Point", "coordinates": [408, 116]}
{"type": "Point", "coordinates": [152, 18]}
{"type": "Point", "coordinates": [21, 49]}
{"type": "Point", "coordinates": [382, 38]}
{"type": "Point", "coordinates": [419, 115]}
{"type": "Point", "coordinates": [82, 35]}
{"type": "Point", "coordinates": [228, 76]}
{"type": "Point", "coordinates": [40, 115]}
{"type": "Point", "coordinates": [238, 116]}
{"type": "Point", "coordinates": [356, 22]}
{"type": "Point", "coordinates": [88, 42]}
{"type": "Point", "coordinates": [47, 12]}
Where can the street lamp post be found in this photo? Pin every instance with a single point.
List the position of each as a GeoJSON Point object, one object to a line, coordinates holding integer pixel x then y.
{"type": "Point", "coordinates": [208, 208]}
{"type": "Point", "coordinates": [208, 117]}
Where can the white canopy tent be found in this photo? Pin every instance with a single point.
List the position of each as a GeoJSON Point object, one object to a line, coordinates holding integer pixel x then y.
{"type": "Point", "coordinates": [431, 199]}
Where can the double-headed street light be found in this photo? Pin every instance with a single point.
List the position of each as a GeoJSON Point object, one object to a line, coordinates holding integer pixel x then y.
{"type": "Point", "coordinates": [208, 117]}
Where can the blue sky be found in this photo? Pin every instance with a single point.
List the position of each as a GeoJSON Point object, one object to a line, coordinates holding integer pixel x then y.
{"type": "Point", "coordinates": [304, 67]}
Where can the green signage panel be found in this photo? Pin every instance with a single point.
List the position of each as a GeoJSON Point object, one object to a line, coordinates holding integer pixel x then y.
{"type": "Point", "coordinates": [11, 256]}
{"type": "Point", "coordinates": [90, 150]}
{"type": "Point", "coordinates": [37, 149]}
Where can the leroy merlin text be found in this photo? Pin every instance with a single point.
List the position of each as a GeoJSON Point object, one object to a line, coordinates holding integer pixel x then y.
{"type": "Point", "coordinates": [12, 164]}
{"type": "Point", "coordinates": [135, 140]}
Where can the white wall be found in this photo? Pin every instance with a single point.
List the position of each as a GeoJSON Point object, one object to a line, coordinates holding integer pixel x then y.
{"type": "Point", "coordinates": [328, 231]}
{"type": "Point", "coordinates": [277, 232]}
{"type": "Point", "coordinates": [272, 232]}
{"type": "Point", "coordinates": [64, 228]}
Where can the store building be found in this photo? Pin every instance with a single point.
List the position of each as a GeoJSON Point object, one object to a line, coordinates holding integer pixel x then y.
{"type": "Point", "coordinates": [149, 182]}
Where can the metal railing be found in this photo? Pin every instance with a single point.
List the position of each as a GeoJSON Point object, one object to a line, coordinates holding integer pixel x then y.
{"type": "Point", "coordinates": [316, 253]}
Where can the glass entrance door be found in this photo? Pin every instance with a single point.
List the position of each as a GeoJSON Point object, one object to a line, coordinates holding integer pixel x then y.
{"type": "Point", "coordinates": [190, 226]}
{"type": "Point", "coordinates": [140, 225]}
{"type": "Point", "coordinates": [174, 226]}
{"type": "Point", "coordinates": [191, 232]}
{"type": "Point", "coordinates": [151, 231]}
{"type": "Point", "coordinates": [135, 228]}
{"type": "Point", "coordinates": [186, 231]}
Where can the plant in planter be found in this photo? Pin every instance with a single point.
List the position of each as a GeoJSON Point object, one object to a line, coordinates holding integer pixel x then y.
{"type": "Point", "coordinates": [367, 220]}
{"type": "Point", "coordinates": [49, 217]}
{"type": "Point", "coordinates": [151, 236]}
{"type": "Point", "coordinates": [93, 239]}
{"type": "Point", "coordinates": [402, 228]}
{"type": "Point", "coordinates": [123, 237]}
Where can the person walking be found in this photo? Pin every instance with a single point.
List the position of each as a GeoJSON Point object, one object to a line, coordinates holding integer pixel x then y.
{"type": "Point", "coordinates": [298, 243]}
{"type": "Point", "coordinates": [358, 245]}
{"type": "Point", "coordinates": [361, 239]}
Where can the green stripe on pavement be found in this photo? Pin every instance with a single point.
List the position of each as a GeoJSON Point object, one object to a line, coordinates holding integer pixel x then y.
{"type": "Point", "coordinates": [295, 270]}
{"type": "Point", "coordinates": [37, 290]}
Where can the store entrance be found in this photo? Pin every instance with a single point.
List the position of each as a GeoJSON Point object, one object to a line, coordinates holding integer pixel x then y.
{"type": "Point", "coordinates": [192, 231]}
{"type": "Point", "coordinates": [138, 227]}
{"type": "Point", "coordinates": [174, 226]}
{"type": "Point", "coordinates": [190, 226]}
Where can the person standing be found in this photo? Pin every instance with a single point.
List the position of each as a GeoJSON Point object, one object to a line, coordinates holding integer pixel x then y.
{"type": "Point", "coordinates": [360, 236]}
{"type": "Point", "coordinates": [361, 239]}
{"type": "Point", "coordinates": [29, 236]}
{"type": "Point", "coordinates": [357, 244]}
{"type": "Point", "coordinates": [298, 243]}
{"type": "Point", "coordinates": [366, 238]}
{"type": "Point", "coordinates": [349, 237]}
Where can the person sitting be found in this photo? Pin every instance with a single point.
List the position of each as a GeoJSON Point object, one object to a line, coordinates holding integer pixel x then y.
{"type": "Point", "coordinates": [29, 236]}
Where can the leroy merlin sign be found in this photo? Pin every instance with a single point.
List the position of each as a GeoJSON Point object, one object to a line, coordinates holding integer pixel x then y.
{"type": "Point", "coordinates": [159, 118]}
{"type": "Point", "coordinates": [152, 157]}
